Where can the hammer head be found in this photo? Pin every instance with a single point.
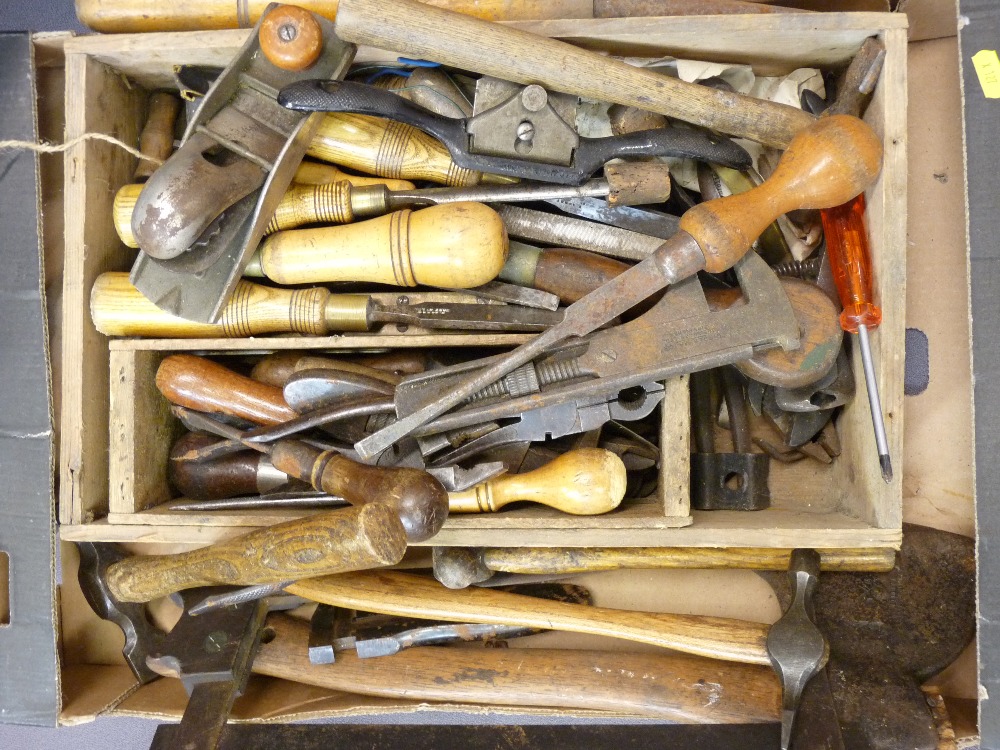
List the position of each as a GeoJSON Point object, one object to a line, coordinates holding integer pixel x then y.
{"type": "Point", "coordinates": [141, 636]}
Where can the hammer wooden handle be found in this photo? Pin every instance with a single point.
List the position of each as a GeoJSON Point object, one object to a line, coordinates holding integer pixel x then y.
{"type": "Point", "coordinates": [400, 594]}
{"type": "Point", "coordinates": [676, 687]}
{"type": "Point", "coordinates": [125, 16]}
{"type": "Point", "coordinates": [407, 27]}
{"type": "Point", "coordinates": [556, 561]}
{"type": "Point", "coordinates": [336, 541]}
{"type": "Point", "coordinates": [458, 245]}
{"type": "Point", "coordinates": [587, 481]}
{"type": "Point", "coordinates": [388, 148]}
{"type": "Point", "coordinates": [203, 385]}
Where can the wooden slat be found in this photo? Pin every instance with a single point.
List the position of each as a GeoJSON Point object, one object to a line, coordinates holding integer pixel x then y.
{"type": "Point", "coordinates": [99, 100]}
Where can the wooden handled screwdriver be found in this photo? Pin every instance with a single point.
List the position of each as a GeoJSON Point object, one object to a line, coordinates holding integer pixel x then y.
{"type": "Point", "coordinates": [586, 481]}
{"type": "Point", "coordinates": [375, 145]}
{"type": "Point", "coordinates": [826, 165]}
{"type": "Point", "coordinates": [119, 309]}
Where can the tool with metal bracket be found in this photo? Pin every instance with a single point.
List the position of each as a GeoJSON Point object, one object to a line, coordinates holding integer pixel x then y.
{"type": "Point", "coordinates": [834, 159]}
{"type": "Point", "coordinates": [526, 119]}
{"type": "Point", "coordinates": [551, 422]}
{"type": "Point", "coordinates": [679, 334]}
{"type": "Point", "coordinates": [202, 213]}
{"type": "Point", "coordinates": [734, 480]}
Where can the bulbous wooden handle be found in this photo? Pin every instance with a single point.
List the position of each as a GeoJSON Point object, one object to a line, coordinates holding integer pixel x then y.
{"type": "Point", "coordinates": [388, 148]}
{"type": "Point", "coordinates": [418, 498]}
{"type": "Point", "coordinates": [334, 542]}
{"type": "Point", "coordinates": [458, 245]}
{"type": "Point", "coordinates": [825, 165]}
{"type": "Point", "coordinates": [291, 38]}
{"type": "Point", "coordinates": [583, 482]}
{"type": "Point", "coordinates": [203, 385]}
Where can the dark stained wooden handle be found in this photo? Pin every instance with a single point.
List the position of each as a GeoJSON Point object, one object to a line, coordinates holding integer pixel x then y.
{"type": "Point", "coordinates": [226, 476]}
{"type": "Point", "coordinates": [157, 137]}
{"type": "Point", "coordinates": [418, 498]}
{"type": "Point", "coordinates": [203, 385]}
{"type": "Point", "coordinates": [337, 541]}
{"type": "Point", "coordinates": [674, 687]}
{"type": "Point", "coordinates": [572, 274]}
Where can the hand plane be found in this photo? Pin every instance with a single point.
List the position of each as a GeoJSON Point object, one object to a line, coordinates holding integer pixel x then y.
{"type": "Point", "coordinates": [200, 215]}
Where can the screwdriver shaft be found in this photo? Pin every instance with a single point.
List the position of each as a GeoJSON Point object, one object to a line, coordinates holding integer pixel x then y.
{"type": "Point", "coordinates": [871, 384]}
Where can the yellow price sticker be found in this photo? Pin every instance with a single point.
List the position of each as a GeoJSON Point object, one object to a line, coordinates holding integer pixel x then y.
{"type": "Point", "coordinates": [987, 66]}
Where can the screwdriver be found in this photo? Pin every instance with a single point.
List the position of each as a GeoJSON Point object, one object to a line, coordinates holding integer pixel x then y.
{"type": "Point", "coordinates": [850, 262]}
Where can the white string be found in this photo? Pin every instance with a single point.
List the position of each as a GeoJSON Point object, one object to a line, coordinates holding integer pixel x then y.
{"type": "Point", "coordinates": [52, 148]}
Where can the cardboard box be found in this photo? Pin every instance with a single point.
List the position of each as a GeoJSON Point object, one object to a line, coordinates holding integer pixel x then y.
{"type": "Point", "coordinates": [843, 505]}
{"type": "Point", "coordinates": [94, 680]}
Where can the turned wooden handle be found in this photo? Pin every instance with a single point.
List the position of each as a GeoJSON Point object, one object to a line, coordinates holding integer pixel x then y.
{"type": "Point", "coordinates": [417, 497]}
{"type": "Point", "coordinates": [203, 385]}
{"type": "Point", "coordinates": [827, 164]}
{"type": "Point", "coordinates": [337, 541]}
{"type": "Point", "coordinates": [406, 27]}
{"type": "Point", "coordinates": [126, 16]}
{"type": "Point", "coordinates": [119, 309]}
{"type": "Point", "coordinates": [157, 137]}
{"type": "Point", "coordinates": [309, 203]}
{"type": "Point", "coordinates": [278, 367]}
{"type": "Point", "coordinates": [553, 561]}
{"type": "Point", "coordinates": [387, 148]}
{"type": "Point", "coordinates": [458, 245]}
{"type": "Point", "coordinates": [314, 173]}
{"type": "Point", "coordinates": [675, 687]}
{"type": "Point", "coordinates": [570, 274]}
{"type": "Point", "coordinates": [290, 38]}
{"type": "Point", "coordinates": [583, 482]}
{"type": "Point", "coordinates": [226, 476]}
{"type": "Point", "coordinates": [400, 594]}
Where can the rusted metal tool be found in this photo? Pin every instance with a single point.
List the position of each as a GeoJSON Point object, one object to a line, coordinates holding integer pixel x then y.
{"type": "Point", "coordinates": [201, 215]}
{"type": "Point", "coordinates": [734, 480]}
{"type": "Point", "coordinates": [826, 164]}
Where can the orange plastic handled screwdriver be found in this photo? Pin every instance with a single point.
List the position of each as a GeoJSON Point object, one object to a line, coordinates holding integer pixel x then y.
{"type": "Point", "coordinates": [850, 262]}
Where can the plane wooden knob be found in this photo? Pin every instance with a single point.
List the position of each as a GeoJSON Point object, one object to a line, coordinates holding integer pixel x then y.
{"type": "Point", "coordinates": [827, 164]}
{"type": "Point", "coordinates": [583, 482]}
{"type": "Point", "coordinates": [374, 145]}
{"type": "Point", "coordinates": [458, 245]}
{"type": "Point", "coordinates": [291, 38]}
{"type": "Point", "coordinates": [338, 541]}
